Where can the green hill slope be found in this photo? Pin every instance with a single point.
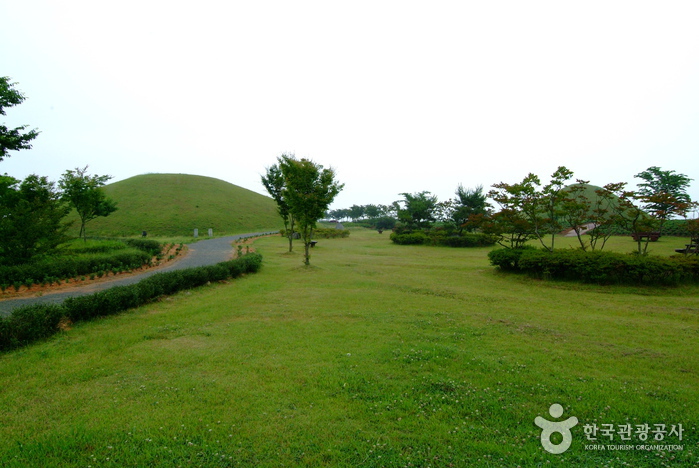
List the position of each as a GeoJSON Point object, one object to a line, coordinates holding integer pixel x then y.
{"type": "Point", "coordinates": [176, 204]}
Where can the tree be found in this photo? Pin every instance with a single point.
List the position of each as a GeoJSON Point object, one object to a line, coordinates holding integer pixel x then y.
{"type": "Point", "coordinates": [664, 193]}
{"type": "Point", "coordinates": [540, 208]}
{"type": "Point", "coordinates": [580, 208]}
{"type": "Point", "coordinates": [86, 195]}
{"type": "Point", "coordinates": [630, 216]}
{"type": "Point", "coordinates": [372, 211]}
{"type": "Point", "coordinates": [418, 211]}
{"type": "Point", "coordinates": [513, 223]}
{"type": "Point", "coordinates": [468, 203]}
{"type": "Point", "coordinates": [340, 214]}
{"type": "Point", "coordinates": [384, 222]}
{"type": "Point", "coordinates": [356, 212]}
{"type": "Point", "coordinates": [31, 219]}
{"type": "Point", "coordinates": [12, 139]}
{"type": "Point", "coordinates": [308, 190]}
{"type": "Point", "coordinates": [275, 183]}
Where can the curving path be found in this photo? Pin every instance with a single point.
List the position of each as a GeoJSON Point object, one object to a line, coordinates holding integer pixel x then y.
{"type": "Point", "coordinates": [202, 253]}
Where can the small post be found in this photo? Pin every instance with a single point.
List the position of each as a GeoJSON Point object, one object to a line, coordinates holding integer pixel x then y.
{"type": "Point", "coordinates": [196, 232]}
{"type": "Point", "coordinates": [211, 232]}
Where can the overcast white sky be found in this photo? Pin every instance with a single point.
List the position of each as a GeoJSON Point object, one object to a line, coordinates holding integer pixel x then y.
{"type": "Point", "coordinates": [397, 96]}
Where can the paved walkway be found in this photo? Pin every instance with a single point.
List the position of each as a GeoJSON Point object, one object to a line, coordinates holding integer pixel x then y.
{"type": "Point", "coordinates": [202, 253]}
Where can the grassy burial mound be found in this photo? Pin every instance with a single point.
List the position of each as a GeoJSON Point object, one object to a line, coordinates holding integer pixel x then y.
{"type": "Point", "coordinates": [176, 204]}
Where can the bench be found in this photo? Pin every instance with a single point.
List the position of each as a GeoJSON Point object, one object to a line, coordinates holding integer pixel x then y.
{"type": "Point", "coordinates": [651, 236]}
{"type": "Point", "coordinates": [691, 248]}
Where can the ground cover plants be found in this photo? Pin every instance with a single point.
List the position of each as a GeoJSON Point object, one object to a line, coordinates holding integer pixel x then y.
{"type": "Point", "coordinates": [93, 258]}
{"type": "Point", "coordinates": [376, 355]}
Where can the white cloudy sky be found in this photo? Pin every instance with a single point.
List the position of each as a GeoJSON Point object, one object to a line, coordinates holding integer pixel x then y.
{"type": "Point", "coordinates": [397, 96]}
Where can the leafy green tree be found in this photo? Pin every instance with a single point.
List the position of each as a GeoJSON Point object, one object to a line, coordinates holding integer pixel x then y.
{"type": "Point", "coordinates": [12, 139]}
{"type": "Point", "coordinates": [309, 189]}
{"type": "Point", "coordinates": [356, 212]}
{"type": "Point", "coordinates": [630, 216]}
{"type": "Point", "coordinates": [418, 211]}
{"type": "Point", "coordinates": [540, 208]}
{"type": "Point", "coordinates": [31, 219]}
{"type": "Point", "coordinates": [340, 213]}
{"type": "Point", "coordinates": [372, 211]}
{"type": "Point", "coordinates": [467, 204]}
{"type": "Point", "coordinates": [664, 193]}
{"type": "Point", "coordinates": [85, 194]}
{"type": "Point", "coordinates": [579, 209]}
{"type": "Point", "coordinates": [384, 222]}
{"type": "Point", "coordinates": [275, 183]}
{"type": "Point", "coordinates": [513, 222]}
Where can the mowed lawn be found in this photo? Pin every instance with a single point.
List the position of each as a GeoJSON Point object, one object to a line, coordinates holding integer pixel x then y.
{"type": "Point", "coordinates": [376, 355]}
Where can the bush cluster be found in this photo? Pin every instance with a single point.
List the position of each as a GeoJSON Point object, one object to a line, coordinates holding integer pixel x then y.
{"type": "Point", "coordinates": [114, 256]}
{"type": "Point", "coordinates": [441, 238]}
{"type": "Point", "coordinates": [330, 233]}
{"type": "Point", "coordinates": [324, 233]}
{"type": "Point", "coordinates": [409, 238]}
{"type": "Point", "coordinates": [150, 246]}
{"type": "Point", "coordinates": [49, 270]}
{"type": "Point", "coordinates": [598, 266]}
{"type": "Point", "coordinates": [32, 323]}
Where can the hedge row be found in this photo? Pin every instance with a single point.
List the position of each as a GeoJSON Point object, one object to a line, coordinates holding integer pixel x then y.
{"type": "Point", "coordinates": [324, 233]}
{"type": "Point", "coordinates": [464, 240]}
{"type": "Point", "coordinates": [150, 246]}
{"type": "Point", "coordinates": [330, 233]}
{"type": "Point", "coordinates": [598, 266]}
{"type": "Point", "coordinates": [28, 324]}
{"type": "Point", "coordinates": [53, 269]}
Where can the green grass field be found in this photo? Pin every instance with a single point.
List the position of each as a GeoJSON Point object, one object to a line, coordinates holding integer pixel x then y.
{"type": "Point", "coordinates": [167, 205]}
{"type": "Point", "coordinates": [376, 355]}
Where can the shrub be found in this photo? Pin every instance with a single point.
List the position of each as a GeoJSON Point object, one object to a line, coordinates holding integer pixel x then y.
{"type": "Point", "coordinates": [66, 267]}
{"type": "Point", "coordinates": [28, 324]}
{"type": "Point", "coordinates": [32, 323]}
{"type": "Point", "coordinates": [330, 233]}
{"type": "Point", "coordinates": [324, 233]}
{"type": "Point", "coordinates": [464, 240]}
{"type": "Point", "coordinates": [443, 238]}
{"type": "Point", "coordinates": [149, 246]}
{"type": "Point", "coordinates": [507, 259]}
{"type": "Point", "coordinates": [598, 266]}
{"type": "Point", "coordinates": [411, 238]}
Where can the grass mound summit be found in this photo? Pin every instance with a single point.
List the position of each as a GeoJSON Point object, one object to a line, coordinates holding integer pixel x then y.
{"type": "Point", "coordinates": [176, 204]}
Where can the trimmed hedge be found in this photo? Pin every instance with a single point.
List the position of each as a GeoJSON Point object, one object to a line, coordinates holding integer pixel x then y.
{"type": "Point", "coordinates": [324, 233]}
{"type": "Point", "coordinates": [441, 239]}
{"type": "Point", "coordinates": [28, 324]}
{"type": "Point", "coordinates": [598, 267]}
{"type": "Point", "coordinates": [330, 233]}
{"type": "Point", "coordinates": [508, 259]}
{"type": "Point", "coordinates": [53, 269]}
{"type": "Point", "coordinates": [411, 238]}
{"type": "Point", "coordinates": [93, 259]}
{"type": "Point", "coordinates": [147, 245]}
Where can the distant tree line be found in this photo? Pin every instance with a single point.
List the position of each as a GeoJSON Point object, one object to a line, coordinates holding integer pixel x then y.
{"type": "Point", "coordinates": [33, 210]}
